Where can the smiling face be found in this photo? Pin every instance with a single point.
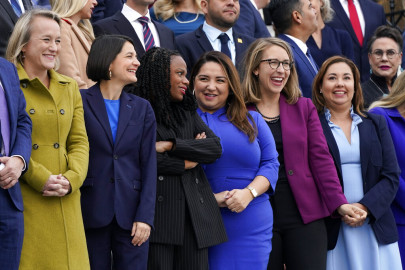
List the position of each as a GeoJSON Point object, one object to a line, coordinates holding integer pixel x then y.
{"type": "Point", "coordinates": [87, 10]}
{"type": "Point", "coordinates": [124, 66]}
{"type": "Point", "coordinates": [43, 46]}
{"type": "Point", "coordinates": [211, 87]}
{"type": "Point", "coordinates": [221, 14]}
{"type": "Point", "coordinates": [272, 81]}
{"type": "Point", "coordinates": [338, 86]}
{"type": "Point", "coordinates": [178, 80]}
{"type": "Point", "coordinates": [385, 67]}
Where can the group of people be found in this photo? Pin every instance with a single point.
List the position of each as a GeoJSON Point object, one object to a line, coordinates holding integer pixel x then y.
{"type": "Point", "coordinates": [210, 157]}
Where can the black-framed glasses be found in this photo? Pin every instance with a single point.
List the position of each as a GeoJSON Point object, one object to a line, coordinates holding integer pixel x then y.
{"type": "Point", "coordinates": [274, 63]}
{"type": "Point", "coordinates": [380, 53]}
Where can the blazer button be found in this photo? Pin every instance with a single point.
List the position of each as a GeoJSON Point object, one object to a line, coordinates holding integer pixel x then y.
{"type": "Point", "coordinates": [24, 85]}
{"type": "Point", "coordinates": [201, 200]}
{"type": "Point", "coordinates": [32, 111]}
{"type": "Point", "coordinates": [62, 111]}
{"type": "Point", "coordinates": [290, 172]}
{"type": "Point", "coordinates": [56, 145]}
{"type": "Point", "coordinates": [160, 178]}
{"type": "Point", "coordinates": [115, 157]}
{"type": "Point", "coordinates": [196, 181]}
{"type": "Point", "coordinates": [112, 180]}
{"type": "Point", "coordinates": [35, 146]}
{"type": "Point", "coordinates": [160, 199]}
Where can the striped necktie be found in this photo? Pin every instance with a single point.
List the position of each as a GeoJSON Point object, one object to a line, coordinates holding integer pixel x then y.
{"type": "Point", "coordinates": [147, 34]}
{"type": "Point", "coordinates": [16, 6]}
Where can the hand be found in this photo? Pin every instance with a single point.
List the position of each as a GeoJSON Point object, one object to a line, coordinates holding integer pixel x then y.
{"type": "Point", "coordinates": [221, 198]}
{"type": "Point", "coordinates": [238, 199]}
{"type": "Point", "coordinates": [352, 215]}
{"type": "Point", "coordinates": [11, 172]}
{"type": "Point", "coordinates": [201, 136]}
{"type": "Point", "coordinates": [164, 146]}
{"type": "Point", "coordinates": [57, 185]}
{"type": "Point", "coordinates": [140, 232]}
{"type": "Point", "coordinates": [189, 164]}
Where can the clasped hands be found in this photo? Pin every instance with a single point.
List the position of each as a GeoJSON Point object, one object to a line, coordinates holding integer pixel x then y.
{"type": "Point", "coordinates": [353, 214]}
{"type": "Point", "coordinates": [57, 185]}
{"type": "Point", "coordinates": [11, 172]}
{"type": "Point", "coordinates": [235, 200]}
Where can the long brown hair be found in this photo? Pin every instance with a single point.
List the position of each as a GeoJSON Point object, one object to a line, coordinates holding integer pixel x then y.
{"type": "Point", "coordinates": [236, 110]}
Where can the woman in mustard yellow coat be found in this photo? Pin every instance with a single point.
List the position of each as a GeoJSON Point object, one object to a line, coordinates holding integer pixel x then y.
{"type": "Point", "coordinates": [54, 235]}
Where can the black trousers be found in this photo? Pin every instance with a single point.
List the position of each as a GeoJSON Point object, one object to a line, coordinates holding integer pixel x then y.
{"type": "Point", "coordinates": [174, 257]}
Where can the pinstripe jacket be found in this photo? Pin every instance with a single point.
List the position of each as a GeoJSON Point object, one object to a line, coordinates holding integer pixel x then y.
{"type": "Point", "coordinates": [180, 190]}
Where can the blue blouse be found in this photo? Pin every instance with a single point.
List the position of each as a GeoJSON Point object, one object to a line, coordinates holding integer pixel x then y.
{"type": "Point", "coordinates": [113, 112]}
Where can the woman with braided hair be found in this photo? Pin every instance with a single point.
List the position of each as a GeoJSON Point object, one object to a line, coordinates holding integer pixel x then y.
{"type": "Point", "coordinates": [187, 218]}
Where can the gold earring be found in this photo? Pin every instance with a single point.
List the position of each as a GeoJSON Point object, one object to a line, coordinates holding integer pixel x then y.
{"type": "Point", "coordinates": [110, 74]}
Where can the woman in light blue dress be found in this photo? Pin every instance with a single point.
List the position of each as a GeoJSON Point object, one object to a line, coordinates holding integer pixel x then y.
{"type": "Point", "coordinates": [247, 168]}
{"type": "Point", "coordinates": [364, 155]}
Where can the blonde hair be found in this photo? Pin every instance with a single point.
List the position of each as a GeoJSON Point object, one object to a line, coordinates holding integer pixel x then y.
{"type": "Point", "coordinates": [395, 98]}
{"type": "Point", "coordinates": [327, 12]}
{"type": "Point", "coordinates": [22, 34]}
{"type": "Point", "coordinates": [165, 9]}
{"type": "Point", "coordinates": [253, 56]}
{"type": "Point", "coordinates": [68, 8]}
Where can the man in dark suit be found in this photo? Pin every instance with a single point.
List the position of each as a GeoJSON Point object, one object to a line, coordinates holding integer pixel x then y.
{"type": "Point", "coordinates": [8, 18]}
{"type": "Point", "coordinates": [105, 9]}
{"type": "Point", "coordinates": [216, 34]}
{"type": "Point", "coordinates": [127, 22]}
{"type": "Point", "coordinates": [371, 15]}
{"type": "Point", "coordinates": [15, 151]}
{"type": "Point", "coordinates": [295, 21]}
{"type": "Point", "coordinates": [250, 21]}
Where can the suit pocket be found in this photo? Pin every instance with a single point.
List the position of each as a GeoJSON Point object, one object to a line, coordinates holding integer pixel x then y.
{"type": "Point", "coordinates": [137, 185]}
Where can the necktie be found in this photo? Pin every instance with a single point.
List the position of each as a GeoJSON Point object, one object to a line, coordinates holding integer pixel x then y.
{"type": "Point", "coordinates": [354, 19]}
{"type": "Point", "coordinates": [312, 61]}
{"type": "Point", "coordinates": [16, 7]}
{"type": "Point", "coordinates": [5, 124]}
{"type": "Point", "coordinates": [147, 34]}
{"type": "Point", "coordinates": [224, 44]}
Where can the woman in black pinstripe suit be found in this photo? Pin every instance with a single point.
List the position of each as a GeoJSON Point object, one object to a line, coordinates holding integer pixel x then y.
{"type": "Point", "coordinates": [187, 218]}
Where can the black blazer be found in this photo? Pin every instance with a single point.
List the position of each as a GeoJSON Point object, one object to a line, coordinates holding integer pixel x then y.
{"type": "Point", "coordinates": [194, 44]}
{"type": "Point", "coordinates": [180, 191]}
{"type": "Point", "coordinates": [119, 25]}
{"type": "Point", "coordinates": [380, 174]}
{"type": "Point", "coordinates": [8, 18]}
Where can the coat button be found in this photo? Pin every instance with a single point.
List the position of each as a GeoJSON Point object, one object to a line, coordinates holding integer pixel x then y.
{"type": "Point", "coordinates": [160, 199]}
{"type": "Point", "coordinates": [56, 145]}
{"type": "Point", "coordinates": [35, 146]}
{"type": "Point", "coordinates": [112, 180]}
{"type": "Point", "coordinates": [196, 181]}
{"type": "Point", "coordinates": [160, 178]}
{"type": "Point", "coordinates": [201, 200]}
{"type": "Point", "coordinates": [62, 111]}
{"type": "Point", "coordinates": [32, 111]}
{"type": "Point", "coordinates": [115, 157]}
{"type": "Point", "coordinates": [24, 85]}
{"type": "Point", "coordinates": [290, 172]}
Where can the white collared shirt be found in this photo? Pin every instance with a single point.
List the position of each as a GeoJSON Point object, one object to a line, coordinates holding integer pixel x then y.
{"type": "Point", "coordinates": [360, 14]}
{"type": "Point", "coordinates": [132, 16]}
{"type": "Point", "coordinates": [212, 34]}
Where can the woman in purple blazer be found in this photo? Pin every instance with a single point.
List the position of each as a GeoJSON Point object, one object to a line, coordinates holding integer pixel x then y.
{"type": "Point", "coordinates": [308, 187]}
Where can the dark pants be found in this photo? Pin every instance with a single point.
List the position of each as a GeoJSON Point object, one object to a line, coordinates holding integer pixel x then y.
{"type": "Point", "coordinates": [11, 232]}
{"type": "Point", "coordinates": [101, 242]}
{"type": "Point", "coordinates": [173, 257]}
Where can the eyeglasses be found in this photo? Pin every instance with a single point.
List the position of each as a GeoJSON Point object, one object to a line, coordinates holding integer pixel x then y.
{"type": "Point", "coordinates": [380, 53]}
{"type": "Point", "coordinates": [274, 63]}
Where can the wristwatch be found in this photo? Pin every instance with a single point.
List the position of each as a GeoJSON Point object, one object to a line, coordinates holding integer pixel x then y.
{"type": "Point", "coordinates": [253, 191]}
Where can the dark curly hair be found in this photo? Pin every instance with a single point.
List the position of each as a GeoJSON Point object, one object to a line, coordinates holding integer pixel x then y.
{"type": "Point", "coordinates": [154, 85]}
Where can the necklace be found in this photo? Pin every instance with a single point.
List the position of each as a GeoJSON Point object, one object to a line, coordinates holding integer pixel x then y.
{"type": "Point", "coordinates": [190, 21]}
{"type": "Point", "coordinates": [268, 118]}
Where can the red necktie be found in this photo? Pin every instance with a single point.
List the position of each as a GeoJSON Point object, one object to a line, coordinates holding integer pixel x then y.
{"type": "Point", "coordinates": [354, 19]}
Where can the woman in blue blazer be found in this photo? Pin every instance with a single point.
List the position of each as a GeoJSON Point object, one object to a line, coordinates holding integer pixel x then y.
{"type": "Point", "coordinates": [364, 156]}
{"type": "Point", "coordinates": [392, 107]}
{"type": "Point", "coordinates": [118, 195]}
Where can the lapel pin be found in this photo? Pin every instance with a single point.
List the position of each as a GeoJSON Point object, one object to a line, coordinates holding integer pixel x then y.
{"type": "Point", "coordinates": [129, 106]}
{"type": "Point", "coordinates": [240, 40]}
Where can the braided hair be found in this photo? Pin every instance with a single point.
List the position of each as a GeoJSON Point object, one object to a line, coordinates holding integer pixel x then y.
{"type": "Point", "coordinates": [154, 85]}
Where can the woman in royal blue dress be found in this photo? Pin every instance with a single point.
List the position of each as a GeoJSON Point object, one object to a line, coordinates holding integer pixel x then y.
{"type": "Point", "coordinates": [247, 168]}
{"type": "Point", "coordinates": [364, 156]}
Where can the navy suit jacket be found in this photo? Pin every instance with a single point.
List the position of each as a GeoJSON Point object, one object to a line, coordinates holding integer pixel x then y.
{"type": "Point", "coordinates": [106, 8]}
{"type": "Point", "coordinates": [119, 25]}
{"type": "Point", "coordinates": [20, 122]}
{"type": "Point", "coordinates": [373, 16]}
{"type": "Point", "coordinates": [121, 180]}
{"type": "Point", "coordinates": [194, 44]}
{"type": "Point", "coordinates": [305, 71]}
{"type": "Point", "coordinates": [250, 21]}
{"type": "Point", "coordinates": [380, 172]}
